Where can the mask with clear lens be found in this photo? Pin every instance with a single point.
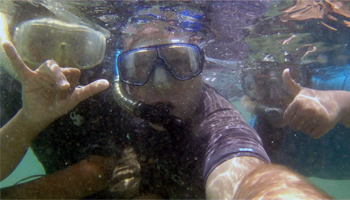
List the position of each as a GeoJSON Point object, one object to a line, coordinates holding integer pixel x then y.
{"type": "Point", "coordinates": [70, 45]}
{"type": "Point", "coordinates": [262, 86]}
{"type": "Point", "coordinates": [183, 61]}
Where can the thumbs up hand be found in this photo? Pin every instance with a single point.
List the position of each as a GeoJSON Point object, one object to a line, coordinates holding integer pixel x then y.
{"type": "Point", "coordinates": [314, 112]}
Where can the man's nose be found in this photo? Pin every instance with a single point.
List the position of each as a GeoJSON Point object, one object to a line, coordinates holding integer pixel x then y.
{"type": "Point", "coordinates": [162, 78]}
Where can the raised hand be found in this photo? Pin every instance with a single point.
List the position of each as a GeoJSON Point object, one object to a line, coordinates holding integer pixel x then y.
{"type": "Point", "coordinates": [314, 112]}
{"type": "Point", "coordinates": [50, 91]}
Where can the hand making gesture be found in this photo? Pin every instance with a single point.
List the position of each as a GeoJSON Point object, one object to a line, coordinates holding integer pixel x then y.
{"type": "Point", "coordinates": [47, 93]}
{"type": "Point", "coordinates": [315, 112]}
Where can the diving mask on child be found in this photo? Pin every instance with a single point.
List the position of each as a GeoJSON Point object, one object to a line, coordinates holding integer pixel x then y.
{"type": "Point", "coordinates": [70, 45]}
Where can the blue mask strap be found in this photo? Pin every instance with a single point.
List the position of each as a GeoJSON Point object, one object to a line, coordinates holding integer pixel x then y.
{"type": "Point", "coordinates": [118, 52]}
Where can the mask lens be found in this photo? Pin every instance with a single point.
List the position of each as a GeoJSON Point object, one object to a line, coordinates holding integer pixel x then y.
{"type": "Point", "coordinates": [70, 45]}
{"type": "Point", "coordinates": [184, 60]}
{"type": "Point", "coordinates": [135, 67]}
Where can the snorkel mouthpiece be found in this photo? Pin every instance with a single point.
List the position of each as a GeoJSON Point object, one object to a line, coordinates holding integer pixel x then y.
{"type": "Point", "coordinates": [159, 114]}
{"type": "Point", "coordinates": [274, 115]}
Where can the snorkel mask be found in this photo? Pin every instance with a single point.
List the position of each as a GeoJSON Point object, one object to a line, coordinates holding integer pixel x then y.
{"type": "Point", "coordinates": [179, 21]}
{"type": "Point", "coordinates": [70, 45]}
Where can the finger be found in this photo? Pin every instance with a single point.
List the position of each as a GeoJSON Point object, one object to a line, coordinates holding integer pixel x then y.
{"type": "Point", "coordinates": [291, 85]}
{"type": "Point", "coordinates": [17, 63]}
{"type": "Point", "coordinates": [80, 94]}
{"type": "Point", "coordinates": [318, 132]}
{"type": "Point", "coordinates": [308, 126]}
{"type": "Point", "coordinates": [72, 75]}
{"type": "Point", "coordinates": [51, 69]}
{"type": "Point", "coordinates": [289, 113]}
{"type": "Point", "coordinates": [297, 122]}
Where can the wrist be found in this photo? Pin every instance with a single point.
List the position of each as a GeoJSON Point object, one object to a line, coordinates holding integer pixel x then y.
{"type": "Point", "coordinates": [31, 124]}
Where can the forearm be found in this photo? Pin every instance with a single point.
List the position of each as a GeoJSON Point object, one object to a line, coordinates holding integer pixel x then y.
{"type": "Point", "coordinates": [223, 180]}
{"type": "Point", "coordinates": [74, 182]}
{"type": "Point", "coordinates": [269, 181]}
{"type": "Point", "coordinates": [15, 138]}
{"type": "Point", "coordinates": [250, 178]}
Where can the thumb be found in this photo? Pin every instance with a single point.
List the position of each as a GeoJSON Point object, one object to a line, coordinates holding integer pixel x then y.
{"type": "Point", "coordinates": [291, 85]}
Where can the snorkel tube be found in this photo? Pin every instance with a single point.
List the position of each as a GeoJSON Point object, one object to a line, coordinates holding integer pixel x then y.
{"type": "Point", "coordinates": [126, 103]}
{"type": "Point", "coordinates": [123, 101]}
{"type": "Point", "coordinates": [159, 114]}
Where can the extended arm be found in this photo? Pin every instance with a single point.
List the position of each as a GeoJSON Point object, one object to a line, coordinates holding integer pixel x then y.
{"type": "Point", "coordinates": [16, 136]}
{"type": "Point", "coordinates": [251, 178]}
{"type": "Point", "coordinates": [75, 182]}
{"type": "Point", "coordinates": [47, 93]}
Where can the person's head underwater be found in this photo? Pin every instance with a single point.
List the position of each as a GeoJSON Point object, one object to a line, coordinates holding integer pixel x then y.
{"type": "Point", "coordinates": [265, 93]}
{"type": "Point", "coordinates": [161, 65]}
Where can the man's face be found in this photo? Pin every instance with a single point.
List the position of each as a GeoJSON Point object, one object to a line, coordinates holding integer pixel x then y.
{"type": "Point", "coordinates": [163, 87]}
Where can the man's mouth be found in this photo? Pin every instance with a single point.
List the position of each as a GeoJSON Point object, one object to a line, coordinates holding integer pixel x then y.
{"type": "Point", "coordinates": [160, 114]}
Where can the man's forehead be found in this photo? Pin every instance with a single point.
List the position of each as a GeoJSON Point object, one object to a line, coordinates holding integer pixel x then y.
{"type": "Point", "coordinates": [168, 12]}
{"type": "Point", "coordinates": [154, 33]}
{"type": "Point", "coordinates": [162, 23]}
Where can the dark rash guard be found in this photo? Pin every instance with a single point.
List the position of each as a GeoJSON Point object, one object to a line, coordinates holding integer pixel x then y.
{"type": "Point", "coordinates": [174, 164]}
{"type": "Point", "coordinates": [218, 133]}
{"type": "Point", "coordinates": [228, 134]}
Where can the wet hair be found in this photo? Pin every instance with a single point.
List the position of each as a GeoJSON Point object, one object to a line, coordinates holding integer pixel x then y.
{"type": "Point", "coordinates": [188, 18]}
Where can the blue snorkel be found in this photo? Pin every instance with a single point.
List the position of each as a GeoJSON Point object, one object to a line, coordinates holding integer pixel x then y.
{"type": "Point", "coordinates": [125, 102]}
